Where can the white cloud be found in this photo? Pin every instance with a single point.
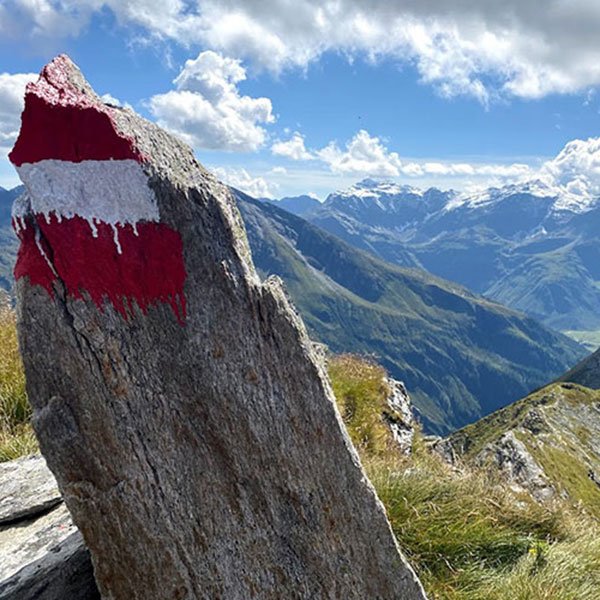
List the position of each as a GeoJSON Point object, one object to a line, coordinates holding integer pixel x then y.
{"type": "Point", "coordinates": [278, 171]}
{"type": "Point", "coordinates": [12, 94]}
{"type": "Point", "coordinates": [257, 187]}
{"type": "Point", "coordinates": [482, 49]}
{"type": "Point", "coordinates": [207, 110]}
{"type": "Point", "coordinates": [110, 99]}
{"type": "Point", "coordinates": [293, 148]}
{"type": "Point", "coordinates": [575, 170]}
{"type": "Point", "coordinates": [364, 154]}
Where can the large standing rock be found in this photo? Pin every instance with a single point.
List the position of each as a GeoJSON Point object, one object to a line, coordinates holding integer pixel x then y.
{"type": "Point", "coordinates": [177, 398]}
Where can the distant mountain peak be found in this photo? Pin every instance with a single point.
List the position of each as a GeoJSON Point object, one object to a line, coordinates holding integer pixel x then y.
{"type": "Point", "coordinates": [374, 188]}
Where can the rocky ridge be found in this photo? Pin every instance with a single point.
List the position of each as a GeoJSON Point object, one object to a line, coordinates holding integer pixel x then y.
{"type": "Point", "coordinates": [545, 444]}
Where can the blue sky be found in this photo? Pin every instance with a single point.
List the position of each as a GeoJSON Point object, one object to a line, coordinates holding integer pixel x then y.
{"type": "Point", "coordinates": [310, 99]}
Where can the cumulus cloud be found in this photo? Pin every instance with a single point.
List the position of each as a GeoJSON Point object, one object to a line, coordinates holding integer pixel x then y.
{"type": "Point", "coordinates": [258, 187]}
{"type": "Point", "coordinates": [367, 155]}
{"type": "Point", "coordinates": [293, 148]}
{"type": "Point", "coordinates": [482, 49]}
{"type": "Point", "coordinates": [279, 171]}
{"type": "Point", "coordinates": [575, 170]}
{"type": "Point", "coordinates": [363, 154]}
{"type": "Point", "coordinates": [110, 99]}
{"type": "Point", "coordinates": [12, 94]}
{"type": "Point", "coordinates": [207, 110]}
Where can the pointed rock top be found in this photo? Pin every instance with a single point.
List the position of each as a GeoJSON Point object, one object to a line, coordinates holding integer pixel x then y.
{"type": "Point", "coordinates": [64, 119]}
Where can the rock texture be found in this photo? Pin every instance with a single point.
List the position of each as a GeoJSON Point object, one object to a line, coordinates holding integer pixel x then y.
{"type": "Point", "coordinates": [26, 488]}
{"type": "Point", "coordinates": [402, 422]}
{"type": "Point", "coordinates": [511, 457]}
{"type": "Point", "coordinates": [176, 398]}
{"type": "Point", "coordinates": [42, 555]}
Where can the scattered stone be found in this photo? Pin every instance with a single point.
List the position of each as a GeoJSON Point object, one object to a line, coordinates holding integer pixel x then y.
{"type": "Point", "coordinates": [27, 488]}
{"type": "Point", "coordinates": [444, 448]}
{"type": "Point", "coordinates": [177, 399]}
{"type": "Point", "coordinates": [593, 477]}
{"type": "Point", "coordinates": [42, 555]}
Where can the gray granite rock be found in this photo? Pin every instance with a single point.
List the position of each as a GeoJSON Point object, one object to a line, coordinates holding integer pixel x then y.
{"type": "Point", "coordinates": [401, 421]}
{"type": "Point", "coordinates": [27, 488]}
{"type": "Point", "coordinates": [42, 555]}
{"type": "Point", "coordinates": [201, 457]}
{"type": "Point", "coordinates": [519, 467]}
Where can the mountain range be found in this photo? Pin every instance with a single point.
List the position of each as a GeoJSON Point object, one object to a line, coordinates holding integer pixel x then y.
{"type": "Point", "coordinates": [527, 246]}
{"type": "Point", "coordinates": [460, 355]}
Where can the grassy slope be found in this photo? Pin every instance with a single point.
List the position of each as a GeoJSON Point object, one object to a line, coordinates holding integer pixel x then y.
{"type": "Point", "coordinates": [468, 536]}
{"type": "Point", "coordinates": [16, 435]}
{"type": "Point", "coordinates": [460, 356]}
{"type": "Point", "coordinates": [564, 439]}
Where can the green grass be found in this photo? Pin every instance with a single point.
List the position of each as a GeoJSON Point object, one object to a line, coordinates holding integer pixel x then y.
{"type": "Point", "coordinates": [16, 434]}
{"type": "Point", "coordinates": [361, 391]}
{"type": "Point", "coordinates": [566, 467]}
{"type": "Point", "coordinates": [466, 533]}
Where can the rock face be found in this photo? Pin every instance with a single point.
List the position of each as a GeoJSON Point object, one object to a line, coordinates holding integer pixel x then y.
{"type": "Point", "coordinates": [42, 555]}
{"type": "Point", "coordinates": [402, 424]}
{"type": "Point", "coordinates": [176, 398]}
{"type": "Point", "coordinates": [26, 488]}
{"type": "Point", "coordinates": [513, 460]}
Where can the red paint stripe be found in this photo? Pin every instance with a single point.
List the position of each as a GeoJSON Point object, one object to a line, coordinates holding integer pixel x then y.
{"type": "Point", "coordinates": [31, 262]}
{"type": "Point", "coordinates": [61, 122]}
{"type": "Point", "coordinates": [150, 269]}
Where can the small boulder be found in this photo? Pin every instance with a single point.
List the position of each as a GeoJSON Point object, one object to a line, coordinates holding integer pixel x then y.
{"type": "Point", "coordinates": [42, 554]}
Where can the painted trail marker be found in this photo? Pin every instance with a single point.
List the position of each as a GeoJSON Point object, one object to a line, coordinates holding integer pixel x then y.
{"type": "Point", "coordinates": [176, 397]}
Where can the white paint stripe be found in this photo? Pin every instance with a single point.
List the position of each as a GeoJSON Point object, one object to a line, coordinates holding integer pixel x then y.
{"type": "Point", "coordinates": [113, 191]}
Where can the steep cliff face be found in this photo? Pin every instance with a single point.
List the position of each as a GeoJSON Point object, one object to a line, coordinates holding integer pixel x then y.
{"type": "Point", "coordinates": [546, 444]}
{"type": "Point", "coordinates": [177, 399]}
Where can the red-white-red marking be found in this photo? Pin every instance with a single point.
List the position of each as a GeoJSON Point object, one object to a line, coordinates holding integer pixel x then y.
{"type": "Point", "coordinates": [89, 218]}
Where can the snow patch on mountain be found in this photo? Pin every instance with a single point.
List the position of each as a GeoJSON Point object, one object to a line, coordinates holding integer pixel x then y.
{"type": "Point", "coordinates": [375, 189]}
{"type": "Point", "coordinates": [565, 198]}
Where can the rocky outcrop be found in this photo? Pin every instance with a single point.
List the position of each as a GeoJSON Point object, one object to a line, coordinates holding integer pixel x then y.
{"type": "Point", "coordinates": [511, 457]}
{"type": "Point", "coordinates": [178, 399]}
{"type": "Point", "coordinates": [546, 444]}
{"type": "Point", "coordinates": [400, 420]}
{"type": "Point", "coordinates": [42, 555]}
